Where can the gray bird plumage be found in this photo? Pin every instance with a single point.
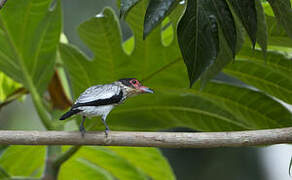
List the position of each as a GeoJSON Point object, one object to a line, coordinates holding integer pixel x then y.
{"type": "Point", "coordinates": [99, 100]}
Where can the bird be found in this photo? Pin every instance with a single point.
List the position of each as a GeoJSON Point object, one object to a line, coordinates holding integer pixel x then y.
{"type": "Point", "coordinates": [99, 100]}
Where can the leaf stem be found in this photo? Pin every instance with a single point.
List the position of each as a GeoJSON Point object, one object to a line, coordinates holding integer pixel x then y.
{"type": "Point", "coordinates": [40, 108]}
{"type": "Point", "coordinates": [65, 156]}
{"type": "Point", "coordinates": [51, 172]}
{"type": "Point", "coordinates": [161, 69]}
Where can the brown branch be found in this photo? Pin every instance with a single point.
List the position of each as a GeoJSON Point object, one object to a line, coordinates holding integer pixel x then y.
{"type": "Point", "coordinates": [2, 3]}
{"type": "Point", "coordinates": [152, 139]}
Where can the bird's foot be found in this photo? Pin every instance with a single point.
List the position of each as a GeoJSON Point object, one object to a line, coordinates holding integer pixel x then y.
{"type": "Point", "coordinates": [83, 131]}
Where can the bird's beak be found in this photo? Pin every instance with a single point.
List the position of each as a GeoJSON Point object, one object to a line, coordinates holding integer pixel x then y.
{"type": "Point", "coordinates": [146, 89]}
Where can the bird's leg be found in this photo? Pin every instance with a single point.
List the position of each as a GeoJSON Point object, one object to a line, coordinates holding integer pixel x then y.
{"type": "Point", "coordinates": [106, 126]}
{"type": "Point", "coordinates": [81, 128]}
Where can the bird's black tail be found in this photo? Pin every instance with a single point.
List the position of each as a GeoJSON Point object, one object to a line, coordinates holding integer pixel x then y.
{"type": "Point", "coordinates": [69, 113]}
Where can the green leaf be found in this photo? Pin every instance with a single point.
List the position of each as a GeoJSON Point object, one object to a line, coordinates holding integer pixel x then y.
{"type": "Point", "coordinates": [283, 12]}
{"type": "Point", "coordinates": [246, 11]}
{"type": "Point", "coordinates": [126, 5]}
{"type": "Point", "coordinates": [221, 11]}
{"type": "Point", "coordinates": [156, 11]}
{"type": "Point", "coordinates": [90, 163]}
{"type": "Point", "coordinates": [7, 86]}
{"type": "Point", "coordinates": [29, 34]}
{"type": "Point", "coordinates": [277, 34]}
{"type": "Point", "coordinates": [116, 163]}
{"type": "Point", "coordinates": [103, 36]}
{"type": "Point", "coordinates": [23, 160]}
{"type": "Point", "coordinates": [224, 57]}
{"type": "Point", "coordinates": [197, 33]}
{"type": "Point", "coordinates": [83, 169]}
{"type": "Point", "coordinates": [271, 74]}
{"type": "Point", "coordinates": [218, 107]}
{"type": "Point", "coordinates": [262, 29]}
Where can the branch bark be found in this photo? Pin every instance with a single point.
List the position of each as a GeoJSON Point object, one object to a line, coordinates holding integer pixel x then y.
{"type": "Point", "coordinates": [150, 139]}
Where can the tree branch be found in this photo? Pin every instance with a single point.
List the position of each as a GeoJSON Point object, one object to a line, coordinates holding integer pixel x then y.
{"type": "Point", "coordinates": [152, 139]}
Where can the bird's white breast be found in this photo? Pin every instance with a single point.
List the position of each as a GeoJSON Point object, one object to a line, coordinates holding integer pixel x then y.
{"type": "Point", "coordinates": [90, 111]}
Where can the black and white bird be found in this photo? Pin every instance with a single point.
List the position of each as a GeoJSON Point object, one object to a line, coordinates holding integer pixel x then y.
{"type": "Point", "coordinates": [99, 100]}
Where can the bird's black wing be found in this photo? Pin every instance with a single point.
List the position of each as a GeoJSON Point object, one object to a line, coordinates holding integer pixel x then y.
{"type": "Point", "coordinates": [101, 102]}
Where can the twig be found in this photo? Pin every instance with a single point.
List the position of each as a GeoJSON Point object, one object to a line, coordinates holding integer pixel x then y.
{"type": "Point", "coordinates": [18, 93]}
{"type": "Point", "coordinates": [152, 139]}
{"type": "Point", "coordinates": [2, 3]}
{"type": "Point", "coordinates": [65, 156]}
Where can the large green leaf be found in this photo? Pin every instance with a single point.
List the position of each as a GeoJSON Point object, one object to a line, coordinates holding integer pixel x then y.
{"type": "Point", "coordinates": [225, 55]}
{"type": "Point", "coordinates": [271, 74]}
{"type": "Point", "coordinates": [117, 163]}
{"type": "Point", "coordinates": [29, 34]}
{"type": "Point", "coordinates": [110, 62]}
{"type": "Point", "coordinates": [283, 12]}
{"type": "Point", "coordinates": [217, 107]}
{"type": "Point", "coordinates": [221, 11]}
{"type": "Point", "coordinates": [262, 29]}
{"type": "Point", "coordinates": [23, 160]}
{"type": "Point", "coordinates": [246, 11]}
{"type": "Point", "coordinates": [156, 11]}
{"type": "Point", "coordinates": [197, 33]}
{"type": "Point", "coordinates": [126, 5]}
{"type": "Point", "coordinates": [277, 34]}
{"type": "Point", "coordinates": [90, 163]}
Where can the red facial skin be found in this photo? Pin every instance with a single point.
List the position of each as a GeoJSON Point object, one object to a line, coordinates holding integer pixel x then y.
{"type": "Point", "coordinates": [136, 83]}
{"type": "Point", "coordinates": [139, 86]}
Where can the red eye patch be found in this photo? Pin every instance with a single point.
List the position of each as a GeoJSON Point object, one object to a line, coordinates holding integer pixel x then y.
{"type": "Point", "coordinates": [135, 83]}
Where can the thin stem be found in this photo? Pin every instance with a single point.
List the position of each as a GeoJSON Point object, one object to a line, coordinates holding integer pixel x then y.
{"type": "Point", "coordinates": [65, 156]}
{"type": "Point", "coordinates": [161, 69]}
{"type": "Point", "coordinates": [18, 93]}
{"type": "Point", "coordinates": [41, 110]}
{"type": "Point", "coordinates": [51, 172]}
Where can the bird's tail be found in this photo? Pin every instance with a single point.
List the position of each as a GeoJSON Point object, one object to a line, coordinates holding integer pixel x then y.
{"type": "Point", "coordinates": [69, 113]}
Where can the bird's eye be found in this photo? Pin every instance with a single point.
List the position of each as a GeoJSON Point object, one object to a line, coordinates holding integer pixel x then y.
{"type": "Point", "coordinates": [134, 82]}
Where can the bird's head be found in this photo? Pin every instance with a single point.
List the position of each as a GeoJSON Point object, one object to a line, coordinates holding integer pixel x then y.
{"type": "Point", "coordinates": [134, 87]}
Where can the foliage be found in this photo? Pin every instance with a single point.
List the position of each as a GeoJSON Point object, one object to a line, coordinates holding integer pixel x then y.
{"type": "Point", "coordinates": [7, 86]}
{"type": "Point", "coordinates": [200, 109]}
{"type": "Point", "coordinates": [91, 162]}
{"type": "Point", "coordinates": [28, 45]}
{"type": "Point", "coordinates": [28, 51]}
{"type": "Point", "coordinates": [201, 23]}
